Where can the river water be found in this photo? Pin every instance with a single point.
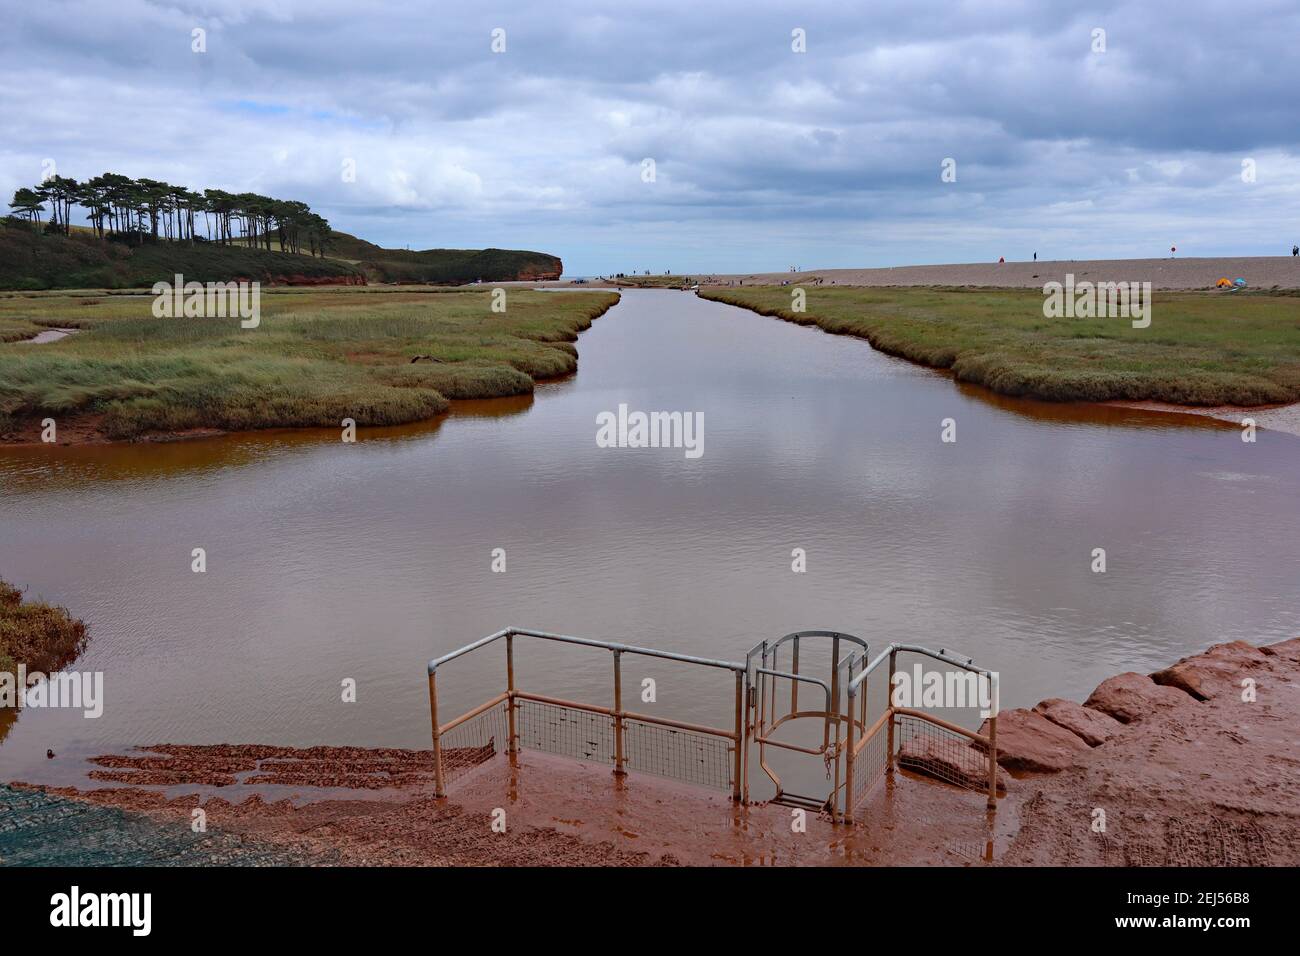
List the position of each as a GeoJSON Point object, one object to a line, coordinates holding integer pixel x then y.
{"type": "Point", "coordinates": [329, 561]}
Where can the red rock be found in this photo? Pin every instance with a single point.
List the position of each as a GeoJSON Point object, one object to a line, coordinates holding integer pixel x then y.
{"type": "Point", "coordinates": [1091, 726]}
{"type": "Point", "coordinates": [1287, 650]}
{"type": "Point", "coordinates": [1131, 696]}
{"type": "Point", "coordinates": [539, 274]}
{"type": "Point", "coordinates": [1030, 743]}
{"type": "Point", "coordinates": [960, 763]}
{"type": "Point", "coordinates": [1215, 671]}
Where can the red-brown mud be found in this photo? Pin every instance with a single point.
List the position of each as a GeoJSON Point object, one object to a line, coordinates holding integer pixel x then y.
{"type": "Point", "coordinates": [1189, 766]}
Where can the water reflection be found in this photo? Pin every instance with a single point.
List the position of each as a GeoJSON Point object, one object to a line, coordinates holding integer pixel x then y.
{"type": "Point", "coordinates": [329, 561]}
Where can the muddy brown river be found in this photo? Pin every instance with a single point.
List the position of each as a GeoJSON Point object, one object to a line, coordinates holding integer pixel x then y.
{"type": "Point", "coordinates": [329, 561]}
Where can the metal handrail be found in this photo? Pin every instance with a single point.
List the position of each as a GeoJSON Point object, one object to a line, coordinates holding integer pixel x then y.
{"type": "Point", "coordinates": [620, 716]}
{"type": "Point", "coordinates": [939, 655]}
{"type": "Point", "coordinates": [748, 683]}
{"type": "Point", "coordinates": [586, 642]}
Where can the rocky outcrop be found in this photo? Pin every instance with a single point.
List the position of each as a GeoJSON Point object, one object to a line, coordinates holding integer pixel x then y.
{"type": "Point", "coordinates": [1287, 650]}
{"type": "Point", "coordinates": [539, 274]}
{"type": "Point", "coordinates": [1051, 736]}
{"type": "Point", "coordinates": [1030, 743]}
{"type": "Point", "coordinates": [1218, 670]}
{"type": "Point", "coordinates": [1189, 781]}
{"type": "Point", "coordinates": [1130, 697]}
{"type": "Point", "coordinates": [1091, 726]}
{"type": "Point", "coordinates": [457, 266]}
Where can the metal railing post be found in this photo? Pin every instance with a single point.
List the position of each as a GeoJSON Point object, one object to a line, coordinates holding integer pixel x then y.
{"type": "Point", "coordinates": [751, 717]}
{"type": "Point", "coordinates": [993, 762]}
{"type": "Point", "coordinates": [835, 687]}
{"type": "Point", "coordinates": [618, 714]}
{"type": "Point", "coordinates": [835, 783]}
{"type": "Point", "coordinates": [889, 704]}
{"type": "Point", "coordinates": [740, 734]}
{"type": "Point", "coordinates": [995, 705]}
{"type": "Point", "coordinates": [769, 687]}
{"type": "Point", "coordinates": [439, 788]}
{"type": "Point", "coordinates": [513, 743]}
{"type": "Point", "coordinates": [865, 689]}
{"type": "Point", "coordinates": [794, 684]}
{"type": "Point", "coordinates": [848, 760]}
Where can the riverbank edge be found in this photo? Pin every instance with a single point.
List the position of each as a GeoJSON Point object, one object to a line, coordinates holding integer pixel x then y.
{"type": "Point", "coordinates": [1283, 418]}
{"type": "Point", "coordinates": [83, 428]}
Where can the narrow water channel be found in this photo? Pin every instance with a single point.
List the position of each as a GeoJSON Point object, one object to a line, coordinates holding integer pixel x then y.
{"type": "Point", "coordinates": [328, 561]}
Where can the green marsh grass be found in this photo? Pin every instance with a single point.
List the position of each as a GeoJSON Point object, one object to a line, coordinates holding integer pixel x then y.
{"type": "Point", "coordinates": [1202, 348]}
{"type": "Point", "coordinates": [318, 357]}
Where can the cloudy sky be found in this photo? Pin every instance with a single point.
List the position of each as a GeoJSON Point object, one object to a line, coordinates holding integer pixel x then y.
{"type": "Point", "coordinates": [763, 157]}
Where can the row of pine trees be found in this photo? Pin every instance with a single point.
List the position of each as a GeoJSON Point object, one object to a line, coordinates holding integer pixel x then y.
{"type": "Point", "coordinates": [140, 209]}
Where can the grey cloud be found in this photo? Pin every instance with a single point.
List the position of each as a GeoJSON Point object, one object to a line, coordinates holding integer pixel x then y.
{"type": "Point", "coordinates": [835, 152]}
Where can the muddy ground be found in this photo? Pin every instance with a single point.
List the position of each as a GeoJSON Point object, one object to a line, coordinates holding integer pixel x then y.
{"type": "Point", "coordinates": [1197, 768]}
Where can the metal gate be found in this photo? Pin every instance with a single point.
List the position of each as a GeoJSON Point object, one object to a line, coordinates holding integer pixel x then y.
{"type": "Point", "coordinates": [767, 717]}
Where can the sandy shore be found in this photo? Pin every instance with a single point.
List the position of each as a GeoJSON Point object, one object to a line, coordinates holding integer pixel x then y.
{"type": "Point", "coordinates": [1187, 768]}
{"type": "Point", "coordinates": [1260, 272]}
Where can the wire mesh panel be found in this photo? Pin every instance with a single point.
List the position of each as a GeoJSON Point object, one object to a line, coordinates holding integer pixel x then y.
{"type": "Point", "coordinates": [565, 730]}
{"type": "Point", "coordinates": [940, 753]}
{"type": "Point", "coordinates": [684, 755]}
{"type": "Point", "coordinates": [869, 765]}
{"type": "Point", "coordinates": [474, 742]}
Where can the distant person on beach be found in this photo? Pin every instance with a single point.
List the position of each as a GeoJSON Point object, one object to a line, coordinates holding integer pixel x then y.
{"type": "Point", "coordinates": [1295, 250]}
{"type": "Point", "coordinates": [1001, 259]}
{"type": "Point", "coordinates": [1035, 257]}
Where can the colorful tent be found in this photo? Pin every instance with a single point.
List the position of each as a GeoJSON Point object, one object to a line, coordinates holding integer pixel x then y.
{"type": "Point", "coordinates": [1222, 283]}
{"type": "Point", "coordinates": [1239, 282]}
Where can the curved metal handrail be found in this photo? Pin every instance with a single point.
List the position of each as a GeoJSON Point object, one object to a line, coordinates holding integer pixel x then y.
{"type": "Point", "coordinates": [795, 635]}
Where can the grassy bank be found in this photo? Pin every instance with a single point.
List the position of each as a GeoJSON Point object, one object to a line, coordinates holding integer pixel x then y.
{"type": "Point", "coordinates": [41, 636]}
{"type": "Point", "coordinates": [318, 356]}
{"type": "Point", "coordinates": [1200, 349]}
